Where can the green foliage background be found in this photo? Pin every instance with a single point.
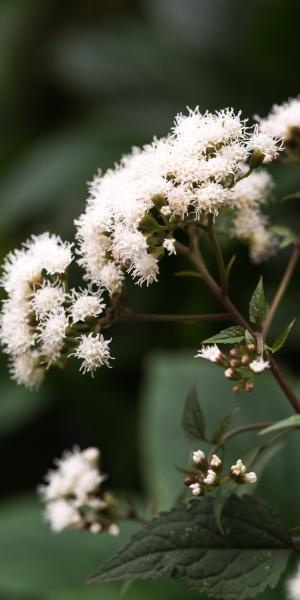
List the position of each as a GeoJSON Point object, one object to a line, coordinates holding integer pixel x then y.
{"type": "Point", "coordinates": [81, 82]}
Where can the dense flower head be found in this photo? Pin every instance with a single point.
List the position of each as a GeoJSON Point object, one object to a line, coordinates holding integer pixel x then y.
{"type": "Point", "coordinates": [72, 488]}
{"type": "Point", "coordinates": [94, 352]}
{"type": "Point", "coordinates": [134, 209]}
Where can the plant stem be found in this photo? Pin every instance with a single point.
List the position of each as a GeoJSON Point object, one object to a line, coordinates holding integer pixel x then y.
{"type": "Point", "coordinates": [132, 316]}
{"type": "Point", "coordinates": [244, 428]}
{"type": "Point", "coordinates": [218, 254]}
{"type": "Point", "coordinates": [282, 287]}
{"type": "Point", "coordinates": [194, 255]}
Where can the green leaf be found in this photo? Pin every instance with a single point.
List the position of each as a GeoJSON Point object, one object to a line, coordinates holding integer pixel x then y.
{"type": "Point", "coordinates": [287, 235]}
{"type": "Point", "coordinates": [293, 421]}
{"type": "Point", "coordinates": [281, 339]}
{"type": "Point", "coordinates": [223, 426]}
{"type": "Point", "coordinates": [186, 545]}
{"type": "Point", "coordinates": [258, 305]}
{"type": "Point", "coordinates": [230, 335]}
{"type": "Point", "coordinates": [222, 494]}
{"type": "Point", "coordinates": [193, 422]}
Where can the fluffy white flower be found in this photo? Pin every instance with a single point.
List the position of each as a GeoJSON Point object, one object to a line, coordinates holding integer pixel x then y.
{"type": "Point", "coordinates": [208, 199]}
{"type": "Point", "coordinates": [26, 370]}
{"type": "Point", "coordinates": [210, 478]}
{"type": "Point", "coordinates": [191, 171]}
{"type": "Point", "coordinates": [144, 269]}
{"type": "Point", "coordinates": [259, 365]}
{"type": "Point", "coordinates": [252, 191]}
{"type": "Point", "coordinates": [198, 457]}
{"type": "Point", "coordinates": [196, 489]}
{"type": "Point", "coordinates": [16, 334]}
{"type": "Point", "coordinates": [94, 352]}
{"type": "Point", "coordinates": [212, 353]}
{"type": "Point", "coordinates": [265, 143]}
{"type": "Point", "coordinates": [169, 245]}
{"type": "Point", "coordinates": [47, 299]}
{"type": "Point", "coordinates": [52, 333]}
{"type": "Point", "coordinates": [55, 256]}
{"type": "Point", "coordinates": [282, 119]}
{"type": "Point", "coordinates": [85, 304]}
{"type": "Point", "coordinates": [293, 586]}
{"type": "Point", "coordinates": [61, 515]}
{"type": "Point", "coordinates": [111, 277]}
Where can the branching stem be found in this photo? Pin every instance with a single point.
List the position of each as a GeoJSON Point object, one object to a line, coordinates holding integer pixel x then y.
{"type": "Point", "coordinates": [282, 287]}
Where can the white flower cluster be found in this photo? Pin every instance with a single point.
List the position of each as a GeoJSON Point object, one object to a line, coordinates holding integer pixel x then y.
{"type": "Point", "coordinates": [189, 173]}
{"type": "Point", "coordinates": [73, 493]}
{"type": "Point", "coordinates": [239, 472]}
{"type": "Point", "coordinates": [39, 312]}
{"type": "Point", "coordinates": [208, 475]}
{"type": "Point", "coordinates": [293, 586]}
{"type": "Point", "coordinates": [33, 321]}
{"type": "Point", "coordinates": [282, 120]}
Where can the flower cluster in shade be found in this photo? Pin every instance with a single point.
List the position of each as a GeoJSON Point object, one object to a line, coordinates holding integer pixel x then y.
{"type": "Point", "coordinates": [39, 316]}
{"type": "Point", "coordinates": [133, 210]}
{"type": "Point", "coordinates": [73, 496]}
{"type": "Point", "coordinates": [208, 473]}
{"type": "Point", "coordinates": [242, 363]}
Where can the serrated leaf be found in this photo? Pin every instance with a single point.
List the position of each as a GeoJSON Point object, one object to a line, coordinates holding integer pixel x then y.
{"type": "Point", "coordinates": [186, 545]}
{"type": "Point", "coordinates": [223, 426]}
{"type": "Point", "coordinates": [282, 337]}
{"type": "Point", "coordinates": [188, 274]}
{"type": "Point", "coordinates": [293, 421]}
{"type": "Point", "coordinates": [287, 235]}
{"type": "Point", "coordinates": [258, 305]}
{"type": "Point", "coordinates": [193, 422]}
{"type": "Point", "coordinates": [249, 339]}
{"type": "Point", "coordinates": [230, 335]}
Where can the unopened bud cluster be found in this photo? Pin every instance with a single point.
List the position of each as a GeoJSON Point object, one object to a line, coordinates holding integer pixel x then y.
{"type": "Point", "coordinates": [240, 364]}
{"type": "Point", "coordinates": [208, 471]}
{"type": "Point", "coordinates": [73, 495]}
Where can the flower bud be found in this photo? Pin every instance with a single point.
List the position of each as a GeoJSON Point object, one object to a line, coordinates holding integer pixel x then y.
{"type": "Point", "coordinates": [199, 457]}
{"type": "Point", "coordinates": [196, 489]}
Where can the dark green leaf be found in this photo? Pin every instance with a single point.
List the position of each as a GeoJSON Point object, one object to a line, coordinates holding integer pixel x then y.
{"type": "Point", "coordinates": [281, 339]}
{"type": "Point", "coordinates": [230, 335]}
{"type": "Point", "coordinates": [293, 421]}
{"type": "Point", "coordinates": [223, 426]}
{"type": "Point", "coordinates": [186, 544]}
{"type": "Point", "coordinates": [258, 306]}
{"type": "Point", "coordinates": [193, 422]}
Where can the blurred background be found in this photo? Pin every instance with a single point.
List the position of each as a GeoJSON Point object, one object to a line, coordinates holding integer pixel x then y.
{"type": "Point", "coordinates": [81, 82]}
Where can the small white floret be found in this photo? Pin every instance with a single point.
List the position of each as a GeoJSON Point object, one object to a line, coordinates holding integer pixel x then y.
{"type": "Point", "coordinates": [215, 461]}
{"type": "Point", "coordinates": [250, 477]}
{"type": "Point", "coordinates": [93, 350]}
{"type": "Point", "coordinates": [259, 365]}
{"type": "Point", "coordinates": [212, 353]}
{"type": "Point", "coordinates": [114, 529]}
{"type": "Point", "coordinates": [169, 245]}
